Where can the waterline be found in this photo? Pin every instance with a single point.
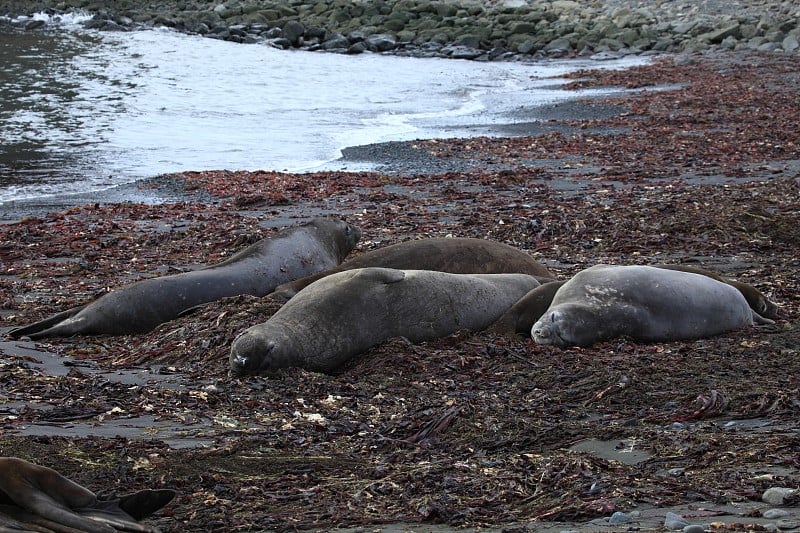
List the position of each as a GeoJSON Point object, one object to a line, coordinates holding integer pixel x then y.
{"type": "Point", "coordinates": [84, 110]}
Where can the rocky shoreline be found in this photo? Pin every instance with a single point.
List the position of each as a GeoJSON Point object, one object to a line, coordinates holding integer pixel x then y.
{"type": "Point", "coordinates": [509, 29]}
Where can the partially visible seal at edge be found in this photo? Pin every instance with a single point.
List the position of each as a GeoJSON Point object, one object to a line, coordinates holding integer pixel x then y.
{"type": "Point", "coordinates": [33, 495]}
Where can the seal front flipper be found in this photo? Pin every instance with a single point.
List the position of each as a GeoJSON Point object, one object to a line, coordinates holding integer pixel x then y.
{"type": "Point", "coordinates": [44, 325]}
{"type": "Point", "coordinates": [759, 320]}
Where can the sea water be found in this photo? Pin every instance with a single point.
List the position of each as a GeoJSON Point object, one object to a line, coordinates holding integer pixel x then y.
{"type": "Point", "coordinates": [84, 110]}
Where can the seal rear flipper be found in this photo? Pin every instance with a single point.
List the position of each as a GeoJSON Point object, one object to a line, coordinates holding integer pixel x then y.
{"type": "Point", "coordinates": [123, 514]}
{"type": "Point", "coordinates": [145, 502]}
{"type": "Point", "coordinates": [43, 325]}
{"type": "Point", "coordinates": [66, 328]}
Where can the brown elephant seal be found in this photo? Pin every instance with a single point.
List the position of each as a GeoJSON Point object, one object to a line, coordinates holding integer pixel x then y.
{"type": "Point", "coordinates": [295, 252]}
{"type": "Point", "coordinates": [756, 299]}
{"type": "Point", "coordinates": [37, 498]}
{"type": "Point", "coordinates": [645, 303]}
{"type": "Point", "coordinates": [523, 314]}
{"type": "Point", "coordinates": [347, 313]}
{"type": "Point", "coordinates": [527, 310]}
{"type": "Point", "coordinates": [457, 255]}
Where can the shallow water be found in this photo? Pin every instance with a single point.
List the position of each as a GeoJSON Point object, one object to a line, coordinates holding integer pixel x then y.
{"type": "Point", "coordinates": [83, 110]}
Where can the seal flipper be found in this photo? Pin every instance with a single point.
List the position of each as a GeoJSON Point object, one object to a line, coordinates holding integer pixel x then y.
{"type": "Point", "coordinates": [124, 513]}
{"type": "Point", "coordinates": [37, 328]}
{"type": "Point", "coordinates": [14, 519]}
{"type": "Point", "coordinates": [66, 328]}
{"type": "Point", "coordinates": [145, 502]}
{"type": "Point", "coordinates": [759, 320]}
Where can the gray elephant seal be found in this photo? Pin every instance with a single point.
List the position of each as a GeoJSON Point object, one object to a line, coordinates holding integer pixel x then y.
{"type": "Point", "coordinates": [644, 303]}
{"type": "Point", "coordinates": [523, 314]}
{"type": "Point", "coordinates": [298, 251]}
{"type": "Point", "coordinates": [33, 496]}
{"type": "Point", "coordinates": [347, 313]}
{"type": "Point", "coordinates": [457, 255]}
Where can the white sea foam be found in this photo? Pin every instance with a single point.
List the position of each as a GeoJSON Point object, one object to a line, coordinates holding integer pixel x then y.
{"type": "Point", "coordinates": [99, 109]}
{"type": "Point", "coordinates": [70, 20]}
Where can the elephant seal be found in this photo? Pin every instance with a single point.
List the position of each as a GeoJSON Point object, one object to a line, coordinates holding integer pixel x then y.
{"type": "Point", "coordinates": [523, 314]}
{"type": "Point", "coordinates": [347, 313]}
{"type": "Point", "coordinates": [33, 497]}
{"type": "Point", "coordinates": [756, 299]}
{"type": "Point", "coordinates": [527, 310]}
{"type": "Point", "coordinates": [298, 251]}
{"type": "Point", "coordinates": [645, 303]}
{"type": "Point", "coordinates": [457, 255]}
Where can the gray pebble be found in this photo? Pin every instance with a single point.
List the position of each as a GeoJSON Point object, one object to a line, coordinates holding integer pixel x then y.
{"type": "Point", "coordinates": [694, 528]}
{"type": "Point", "coordinates": [619, 518]}
{"type": "Point", "coordinates": [772, 514]}
{"type": "Point", "coordinates": [675, 522]}
{"type": "Point", "coordinates": [777, 495]}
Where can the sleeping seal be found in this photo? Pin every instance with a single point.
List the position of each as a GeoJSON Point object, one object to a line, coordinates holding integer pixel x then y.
{"type": "Point", "coordinates": [291, 253]}
{"type": "Point", "coordinates": [645, 303]}
{"type": "Point", "coordinates": [457, 255]}
{"type": "Point", "coordinates": [347, 313]}
{"type": "Point", "coordinates": [523, 314]}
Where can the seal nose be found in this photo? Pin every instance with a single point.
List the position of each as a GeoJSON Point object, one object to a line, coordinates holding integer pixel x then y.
{"type": "Point", "coordinates": [238, 365]}
{"type": "Point", "coordinates": [251, 354]}
{"type": "Point", "coordinates": [540, 332]}
{"type": "Point", "coordinates": [243, 351]}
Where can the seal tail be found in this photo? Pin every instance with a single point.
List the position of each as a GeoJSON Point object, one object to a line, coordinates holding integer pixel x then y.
{"type": "Point", "coordinates": [40, 329]}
